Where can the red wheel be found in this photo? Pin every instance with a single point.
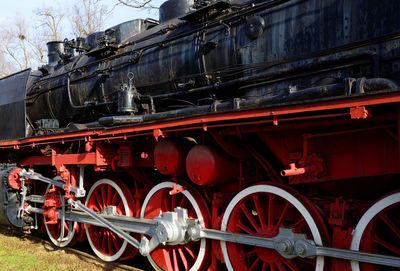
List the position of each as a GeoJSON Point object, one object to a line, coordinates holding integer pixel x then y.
{"type": "Point", "coordinates": [378, 231]}
{"type": "Point", "coordinates": [191, 256]}
{"type": "Point", "coordinates": [67, 238]}
{"type": "Point", "coordinates": [112, 198]}
{"type": "Point", "coordinates": [261, 210]}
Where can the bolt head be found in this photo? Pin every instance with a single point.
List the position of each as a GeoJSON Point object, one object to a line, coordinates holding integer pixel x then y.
{"type": "Point", "coordinates": [301, 250]}
{"type": "Point", "coordinates": [283, 247]}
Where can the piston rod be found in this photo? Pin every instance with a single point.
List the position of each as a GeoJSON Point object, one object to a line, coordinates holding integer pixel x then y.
{"type": "Point", "coordinates": [105, 223]}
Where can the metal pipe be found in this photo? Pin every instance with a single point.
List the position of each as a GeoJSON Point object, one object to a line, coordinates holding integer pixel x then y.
{"type": "Point", "coordinates": [293, 170]}
{"type": "Point", "coordinates": [269, 74]}
{"type": "Point", "coordinates": [69, 95]}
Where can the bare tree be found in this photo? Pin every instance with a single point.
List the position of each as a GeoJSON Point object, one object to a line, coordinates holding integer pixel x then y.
{"type": "Point", "coordinates": [6, 67]}
{"type": "Point", "coordinates": [50, 20]}
{"type": "Point", "coordinates": [14, 43]}
{"type": "Point", "coordinates": [88, 17]}
{"type": "Point", "coordinates": [145, 4]}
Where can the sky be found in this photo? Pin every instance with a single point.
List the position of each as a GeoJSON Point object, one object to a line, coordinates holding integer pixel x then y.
{"type": "Point", "coordinates": [26, 8]}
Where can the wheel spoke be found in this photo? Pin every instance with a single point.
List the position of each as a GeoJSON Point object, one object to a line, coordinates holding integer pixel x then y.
{"type": "Point", "coordinates": [183, 258]}
{"type": "Point", "coordinates": [109, 195]}
{"type": "Point", "coordinates": [308, 261]}
{"type": "Point", "coordinates": [167, 259]}
{"type": "Point", "coordinates": [190, 252]}
{"type": "Point", "coordinates": [115, 241]}
{"type": "Point", "coordinates": [270, 211]}
{"type": "Point", "coordinates": [173, 202]}
{"type": "Point", "coordinates": [290, 264]}
{"type": "Point", "coordinates": [254, 265]}
{"type": "Point", "coordinates": [264, 267]}
{"type": "Point", "coordinates": [249, 217]}
{"type": "Point", "coordinates": [66, 228]}
{"type": "Point", "coordinates": [280, 266]}
{"type": "Point", "coordinates": [251, 252]}
{"type": "Point", "coordinates": [99, 201]}
{"type": "Point", "coordinates": [120, 208]}
{"type": "Point", "coordinates": [298, 225]}
{"type": "Point", "coordinates": [386, 245]}
{"type": "Point", "coordinates": [183, 201]}
{"type": "Point", "coordinates": [110, 243]}
{"type": "Point", "coordinates": [104, 242]}
{"type": "Point", "coordinates": [94, 207]}
{"type": "Point", "coordinates": [260, 213]}
{"type": "Point", "coordinates": [245, 228]}
{"type": "Point", "coordinates": [166, 206]}
{"type": "Point", "coordinates": [175, 258]}
{"type": "Point", "coordinates": [103, 195]}
{"type": "Point", "coordinates": [391, 226]}
{"type": "Point", "coordinates": [282, 216]}
{"type": "Point", "coordinates": [114, 199]}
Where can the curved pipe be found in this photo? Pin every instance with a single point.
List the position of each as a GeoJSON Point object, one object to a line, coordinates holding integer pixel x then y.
{"type": "Point", "coordinates": [378, 84]}
{"type": "Point", "coordinates": [69, 95]}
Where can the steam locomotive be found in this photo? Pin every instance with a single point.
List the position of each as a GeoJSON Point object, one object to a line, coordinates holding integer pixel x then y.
{"type": "Point", "coordinates": [242, 135]}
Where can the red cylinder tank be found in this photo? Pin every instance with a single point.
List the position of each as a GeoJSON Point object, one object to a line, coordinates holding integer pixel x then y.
{"type": "Point", "coordinates": [170, 156]}
{"type": "Point", "coordinates": [208, 166]}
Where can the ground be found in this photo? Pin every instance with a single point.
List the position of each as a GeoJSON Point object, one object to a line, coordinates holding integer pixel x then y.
{"type": "Point", "coordinates": [23, 252]}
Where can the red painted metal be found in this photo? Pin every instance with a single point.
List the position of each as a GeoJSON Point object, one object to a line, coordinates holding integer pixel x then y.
{"type": "Point", "coordinates": [175, 190]}
{"type": "Point", "coordinates": [52, 201]}
{"type": "Point", "coordinates": [14, 180]}
{"type": "Point", "coordinates": [359, 112]}
{"type": "Point", "coordinates": [293, 170]}
{"type": "Point", "coordinates": [321, 142]}
{"type": "Point", "coordinates": [346, 102]}
{"type": "Point", "coordinates": [207, 166]}
{"type": "Point", "coordinates": [36, 160]}
{"type": "Point", "coordinates": [170, 156]}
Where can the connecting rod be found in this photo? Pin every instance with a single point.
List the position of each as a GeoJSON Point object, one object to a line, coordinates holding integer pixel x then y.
{"type": "Point", "coordinates": [174, 228]}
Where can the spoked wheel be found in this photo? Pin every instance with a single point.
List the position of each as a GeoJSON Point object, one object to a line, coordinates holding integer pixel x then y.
{"type": "Point", "coordinates": [261, 210]}
{"type": "Point", "coordinates": [378, 231]}
{"type": "Point", "coordinates": [55, 233]}
{"type": "Point", "coordinates": [111, 198]}
{"type": "Point", "coordinates": [191, 256]}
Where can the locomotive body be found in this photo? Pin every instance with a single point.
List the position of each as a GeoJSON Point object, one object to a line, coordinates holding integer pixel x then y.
{"type": "Point", "coordinates": [258, 135]}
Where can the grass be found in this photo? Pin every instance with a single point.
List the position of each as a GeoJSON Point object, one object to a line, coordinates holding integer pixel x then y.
{"type": "Point", "coordinates": [21, 252]}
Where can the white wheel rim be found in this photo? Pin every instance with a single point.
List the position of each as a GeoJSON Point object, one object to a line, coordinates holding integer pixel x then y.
{"type": "Point", "coordinates": [66, 240]}
{"type": "Point", "coordinates": [188, 195]}
{"type": "Point", "coordinates": [287, 196]}
{"type": "Point", "coordinates": [366, 219]}
{"type": "Point", "coordinates": [116, 256]}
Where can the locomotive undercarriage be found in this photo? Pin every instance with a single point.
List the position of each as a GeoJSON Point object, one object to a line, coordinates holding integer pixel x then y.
{"type": "Point", "coordinates": [277, 189]}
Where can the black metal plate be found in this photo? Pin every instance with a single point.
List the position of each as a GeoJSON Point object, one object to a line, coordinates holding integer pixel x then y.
{"type": "Point", "coordinates": [12, 105]}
